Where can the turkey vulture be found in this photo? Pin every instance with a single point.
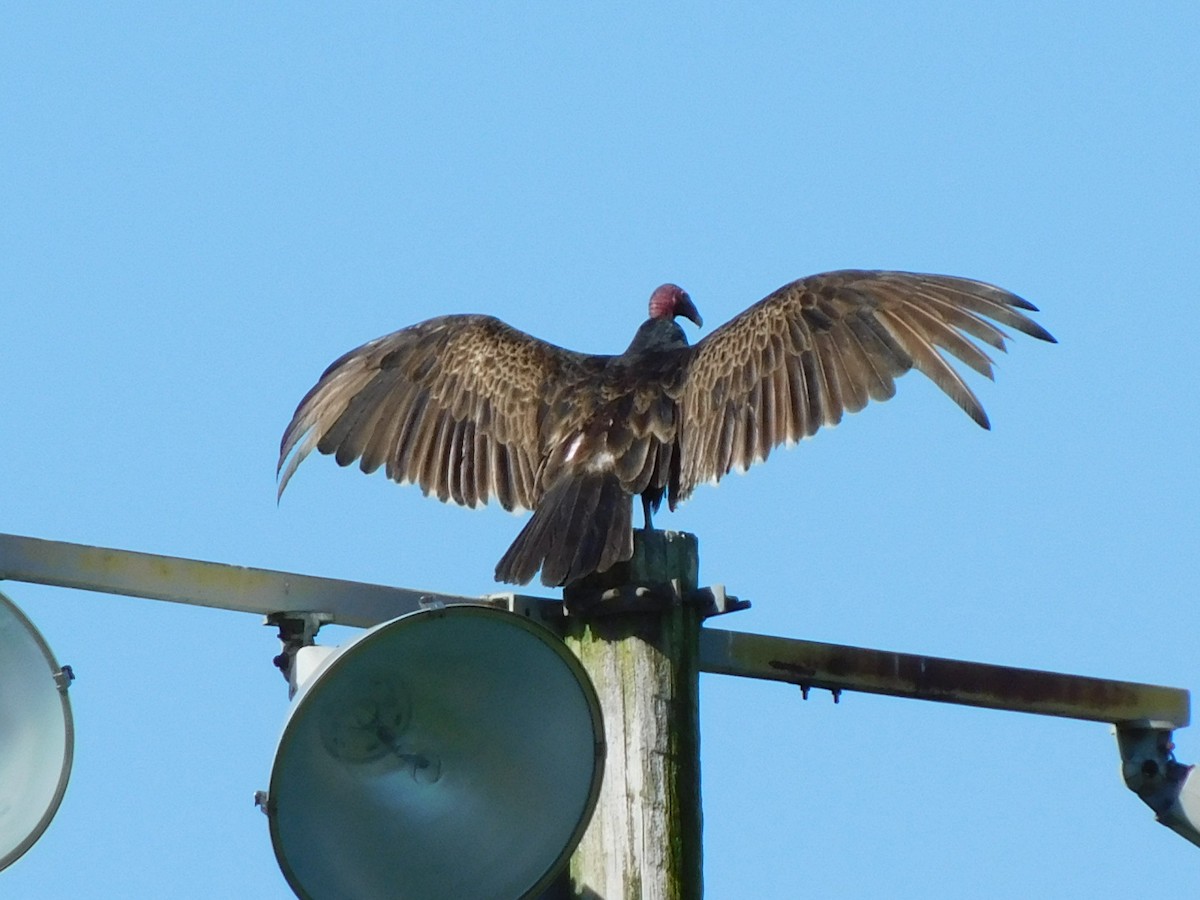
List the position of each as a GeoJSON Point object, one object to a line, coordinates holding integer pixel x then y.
{"type": "Point", "coordinates": [472, 409]}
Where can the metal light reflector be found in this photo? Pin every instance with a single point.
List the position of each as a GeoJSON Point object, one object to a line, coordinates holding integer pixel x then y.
{"type": "Point", "coordinates": [454, 752]}
{"type": "Point", "coordinates": [36, 734]}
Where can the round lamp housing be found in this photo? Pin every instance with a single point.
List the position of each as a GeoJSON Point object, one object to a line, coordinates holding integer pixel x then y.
{"type": "Point", "coordinates": [452, 752]}
{"type": "Point", "coordinates": [37, 735]}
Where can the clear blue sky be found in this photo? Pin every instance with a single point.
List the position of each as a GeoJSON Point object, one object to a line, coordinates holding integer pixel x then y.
{"type": "Point", "coordinates": [201, 207]}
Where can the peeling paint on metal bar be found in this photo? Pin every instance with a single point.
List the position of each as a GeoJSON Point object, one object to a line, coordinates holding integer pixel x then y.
{"type": "Point", "coordinates": [811, 664]}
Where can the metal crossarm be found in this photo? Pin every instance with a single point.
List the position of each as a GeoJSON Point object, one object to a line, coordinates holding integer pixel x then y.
{"type": "Point", "coordinates": [1143, 715]}
{"type": "Point", "coordinates": [835, 667]}
{"type": "Point", "coordinates": [198, 583]}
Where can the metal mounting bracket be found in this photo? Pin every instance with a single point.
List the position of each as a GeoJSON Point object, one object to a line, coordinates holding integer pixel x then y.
{"type": "Point", "coordinates": [1151, 771]}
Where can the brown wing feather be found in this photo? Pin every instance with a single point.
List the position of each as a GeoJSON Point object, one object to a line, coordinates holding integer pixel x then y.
{"type": "Point", "coordinates": [454, 404]}
{"type": "Point", "coordinates": [828, 344]}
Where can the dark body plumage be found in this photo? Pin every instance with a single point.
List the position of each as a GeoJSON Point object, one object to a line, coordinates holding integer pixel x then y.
{"type": "Point", "coordinates": [470, 408]}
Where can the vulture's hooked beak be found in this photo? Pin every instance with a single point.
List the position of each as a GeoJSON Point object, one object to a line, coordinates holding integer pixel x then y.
{"type": "Point", "coordinates": [687, 309]}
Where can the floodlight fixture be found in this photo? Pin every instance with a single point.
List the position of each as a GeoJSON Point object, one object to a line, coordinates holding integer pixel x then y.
{"type": "Point", "coordinates": [451, 752]}
{"type": "Point", "coordinates": [37, 735]}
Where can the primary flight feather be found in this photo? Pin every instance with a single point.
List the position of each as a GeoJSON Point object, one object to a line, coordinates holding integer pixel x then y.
{"type": "Point", "coordinates": [471, 409]}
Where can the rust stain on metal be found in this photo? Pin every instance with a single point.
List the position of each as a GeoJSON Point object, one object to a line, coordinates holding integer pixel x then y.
{"type": "Point", "coordinates": [935, 679]}
{"type": "Point", "coordinates": [836, 667]}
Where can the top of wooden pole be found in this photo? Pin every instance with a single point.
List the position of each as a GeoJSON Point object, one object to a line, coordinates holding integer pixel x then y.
{"type": "Point", "coordinates": [664, 570]}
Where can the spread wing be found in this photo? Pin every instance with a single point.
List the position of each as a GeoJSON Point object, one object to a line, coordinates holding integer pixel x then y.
{"type": "Point", "coordinates": [453, 404]}
{"type": "Point", "coordinates": [826, 345]}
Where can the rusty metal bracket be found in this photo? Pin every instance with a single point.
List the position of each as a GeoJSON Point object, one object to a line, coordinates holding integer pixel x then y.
{"type": "Point", "coordinates": [835, 667]}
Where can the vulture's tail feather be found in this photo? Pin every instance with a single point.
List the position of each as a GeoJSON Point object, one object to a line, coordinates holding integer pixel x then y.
{"type": "Point", "coordinates": [583, 524]}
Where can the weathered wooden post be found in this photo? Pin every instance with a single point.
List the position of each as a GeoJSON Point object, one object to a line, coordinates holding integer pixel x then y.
{"type": "Point", "coordinates": [638, 638]}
